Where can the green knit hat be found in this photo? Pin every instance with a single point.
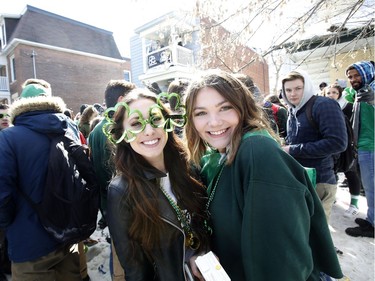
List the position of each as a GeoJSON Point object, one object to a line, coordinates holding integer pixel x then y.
{"type": "Point", "coordinates": [35, 90]}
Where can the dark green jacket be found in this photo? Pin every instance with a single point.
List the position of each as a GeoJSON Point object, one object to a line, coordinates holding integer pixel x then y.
{"type": "Point", "coordinates": [100, 155]}
{"type": "Point", "coordinates": [268, 222]}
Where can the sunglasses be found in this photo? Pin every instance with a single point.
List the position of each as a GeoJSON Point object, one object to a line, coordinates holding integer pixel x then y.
{"type": "Point", "coordinates": [4, 115]}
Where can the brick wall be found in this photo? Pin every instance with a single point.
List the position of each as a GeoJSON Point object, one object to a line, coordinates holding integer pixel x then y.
{"type": "Point", "coordinates": [219, 50]}
{"type": "Point", "coordinates": [77, 79]}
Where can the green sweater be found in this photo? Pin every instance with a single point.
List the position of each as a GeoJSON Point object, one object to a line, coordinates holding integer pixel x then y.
{"type": "Point", "coordinates": [268, 222]}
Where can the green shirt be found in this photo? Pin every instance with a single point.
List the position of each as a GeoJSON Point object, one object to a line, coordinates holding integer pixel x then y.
{"type": "Point", "coordinates": [366, 127]}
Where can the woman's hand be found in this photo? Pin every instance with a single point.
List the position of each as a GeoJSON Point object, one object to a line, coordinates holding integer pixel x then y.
{"type": "Point", "coordinates": [194, 268]}
{"type": "Point", "coordinates": [286, 148]}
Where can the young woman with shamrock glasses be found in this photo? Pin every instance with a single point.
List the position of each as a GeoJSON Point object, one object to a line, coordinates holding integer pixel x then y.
{"type": "Point", "coordinates": [156, 209]}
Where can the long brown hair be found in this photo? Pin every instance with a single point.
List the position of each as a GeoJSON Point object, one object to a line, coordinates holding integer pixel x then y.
{"type": "Point", "coordinates": [146, 226]}
{"type": "Point", "coordinates": [88, 114]}
{"type": "Point", "coordinates": [239, 96]}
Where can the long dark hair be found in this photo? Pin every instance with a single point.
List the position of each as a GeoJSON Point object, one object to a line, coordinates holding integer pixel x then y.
{"type": "Point", "coordinates": [146, 226]}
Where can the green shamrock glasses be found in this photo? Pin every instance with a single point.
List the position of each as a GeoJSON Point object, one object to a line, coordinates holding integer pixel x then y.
{"type": "Point", "coordinates": [135, 122]}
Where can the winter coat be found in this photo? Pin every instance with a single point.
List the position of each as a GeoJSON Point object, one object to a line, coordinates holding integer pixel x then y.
{"type": "Point", "coordinates": [279, 114]}
{"type": "Point", "coordinates": [315, 147]}
{"type": "Point", "coordinates": [363, 113]}
{"type": "Point", "coordinates": [163, 264]}
{"type": "Point", "coordinates": [268, 223]}
{"type": "Point", "coordinates": [24, 150]}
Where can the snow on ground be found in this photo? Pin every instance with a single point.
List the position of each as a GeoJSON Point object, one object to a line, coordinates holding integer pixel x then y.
{"type": "Point", "coordinates": [357, 260]}
{"type": "Point", "coordinates": [98, 257]}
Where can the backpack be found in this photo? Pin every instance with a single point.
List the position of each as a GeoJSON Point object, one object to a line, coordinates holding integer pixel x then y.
{"type": "Point", "coordinates": [275, 109]}
{"type": "Point", "coordinates": [70, 203]}
{"type": "Point", "coordinates": [269, 113]}
{"type": "Point", "coordinates": [346, 159]}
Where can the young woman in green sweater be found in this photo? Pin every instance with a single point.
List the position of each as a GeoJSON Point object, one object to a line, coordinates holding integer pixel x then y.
{"type": "Point", "coordinates": [268, 223]}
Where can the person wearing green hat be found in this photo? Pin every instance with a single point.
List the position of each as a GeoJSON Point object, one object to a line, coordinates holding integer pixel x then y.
{"type": "Point", "coordinates": [24, 148]}
{"type": "Point", "coordinates": [34, 90]}
{"type": "Point", "coordinates": [36, 87]}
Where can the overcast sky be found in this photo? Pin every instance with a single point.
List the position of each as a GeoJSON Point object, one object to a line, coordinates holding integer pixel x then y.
{"type": "Point", "coordinates": [119, 16]}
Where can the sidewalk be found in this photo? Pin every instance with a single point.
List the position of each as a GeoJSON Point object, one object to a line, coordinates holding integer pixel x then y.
{"type": "Point", "coordinates": [357, 260]}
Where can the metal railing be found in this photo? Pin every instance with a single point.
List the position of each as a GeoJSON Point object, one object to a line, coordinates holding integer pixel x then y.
{"type": "Point", "coordinates": [171, 55]}
{"type": "Point", "coordinates": [4, 84]}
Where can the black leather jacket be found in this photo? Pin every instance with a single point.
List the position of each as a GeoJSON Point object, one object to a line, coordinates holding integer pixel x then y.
{"type": "Point", "coordinates": [164, 264]}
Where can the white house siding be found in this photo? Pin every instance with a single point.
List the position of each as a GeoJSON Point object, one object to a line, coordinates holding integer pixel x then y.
{"type": "Point", "coordinates": [136, 52]}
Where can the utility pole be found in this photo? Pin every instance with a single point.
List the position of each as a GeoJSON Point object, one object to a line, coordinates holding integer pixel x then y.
{"type": "Point", "coordinates": [33, 55]}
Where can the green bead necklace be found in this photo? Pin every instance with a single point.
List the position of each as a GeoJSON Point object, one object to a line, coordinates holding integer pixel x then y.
{"type": "Point", "coordinates": [210, 198]}
{"type": "Point", "coordinates": [212, 194]}
{"type": "Point", "coordinates": [191, 240]}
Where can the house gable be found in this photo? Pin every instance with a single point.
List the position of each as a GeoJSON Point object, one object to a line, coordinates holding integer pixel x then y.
{"type": "Point", "coordinates": [77, 59]}
{"type": "Point", "coordinates": [43, 27]}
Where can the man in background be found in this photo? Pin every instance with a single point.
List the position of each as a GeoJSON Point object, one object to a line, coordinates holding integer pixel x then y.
{"type": "Point", "coordinates": [361, 94]}
{"type": "Point", "coordinates": [313, 143]}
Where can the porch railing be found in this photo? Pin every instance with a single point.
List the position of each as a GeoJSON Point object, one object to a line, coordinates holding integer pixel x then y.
{"type": "Point", "coordinates": [4, 85]}
{"type": "Point", "coordinates": [171, 55]}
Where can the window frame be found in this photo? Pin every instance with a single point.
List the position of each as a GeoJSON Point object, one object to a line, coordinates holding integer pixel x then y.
{"type": "Point", "coordinates": [3, 35]}
{"type": "Point", "coordinates": [12, 64]}
{"type": "Point", "coordinates": [128, 73]}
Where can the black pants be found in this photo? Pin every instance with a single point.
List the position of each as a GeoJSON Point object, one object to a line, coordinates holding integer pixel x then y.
{"type": "Point", "coordinates": [5, 264]}
{"type": "Point", "coordinates": [354, 181]}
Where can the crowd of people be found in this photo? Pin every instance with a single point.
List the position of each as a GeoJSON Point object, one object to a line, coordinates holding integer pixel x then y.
{"type": "Point", "coordinates": [210, 165]}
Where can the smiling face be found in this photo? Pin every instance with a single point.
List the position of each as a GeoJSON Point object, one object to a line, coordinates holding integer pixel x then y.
{"type": "Point", "coordinates": [151, 141]}
{"type": "Point", "coordinates": [354, 78]}
{"type": "Point", "coordinates": [214, 118]}
{"type": "Point", "coordinates": [294, 91]}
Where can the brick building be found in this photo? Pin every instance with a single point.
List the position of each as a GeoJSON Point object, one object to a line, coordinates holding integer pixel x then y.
{"type": "Point", "coordinates": [77, 59]}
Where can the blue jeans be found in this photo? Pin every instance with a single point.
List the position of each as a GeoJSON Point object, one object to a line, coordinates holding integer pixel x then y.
{"type": "Point", "coordinates": [366, 164]}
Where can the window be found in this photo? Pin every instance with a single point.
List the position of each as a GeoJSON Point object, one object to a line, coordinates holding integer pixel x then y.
{"type": "Point", "coordinates": [3, 70]}
{"type": "Point", "coordinates": [12, 68]}
{"type": "Point", "coordinates": [3, 37]}
{"type": "Point", "coordinates": [127, 76]}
